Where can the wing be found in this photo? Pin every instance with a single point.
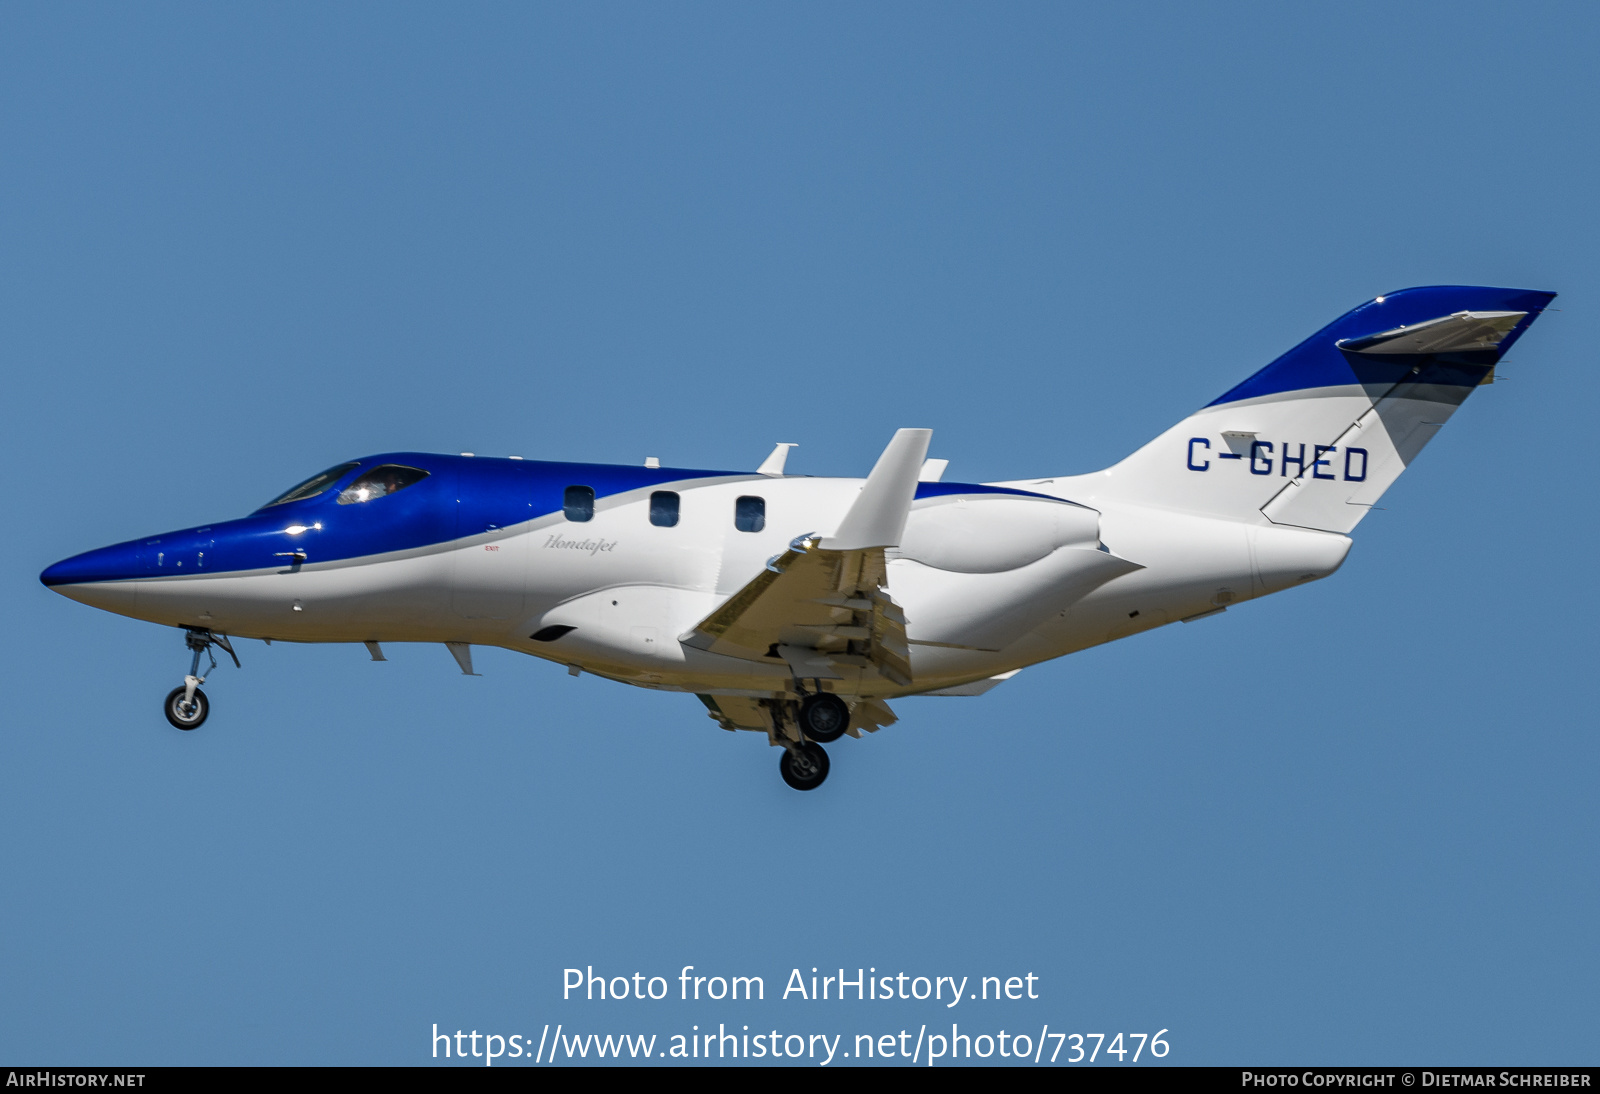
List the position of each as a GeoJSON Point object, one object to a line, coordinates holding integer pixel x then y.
{"type": "Point", "coordinates": [977, 687]}
{"type": "Point", "coordinates": [817, 609]}
{"type": "Point", "coordinates": [823, 604]}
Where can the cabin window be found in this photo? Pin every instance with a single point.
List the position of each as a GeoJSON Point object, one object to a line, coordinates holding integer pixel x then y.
{"type": "Point", "coordinates": [380, 482]}
{"type": "Point", "coordinates": [750, 514]}
{"type": "Point", "coordinates": [578, 503]}
{"type": "Point", "coordinates": [313, 486]}
{"type": "Point", "coordinates": [664, 508]}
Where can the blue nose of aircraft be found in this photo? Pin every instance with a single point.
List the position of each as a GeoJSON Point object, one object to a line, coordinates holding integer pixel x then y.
{"type": "Point", "coordinates": [119, 562]}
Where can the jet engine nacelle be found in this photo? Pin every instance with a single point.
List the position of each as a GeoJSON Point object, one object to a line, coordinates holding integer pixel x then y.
{"type": "Point", "coordinates": [989, 534]}
{"type": "Point", "coordinates": [981, 572]}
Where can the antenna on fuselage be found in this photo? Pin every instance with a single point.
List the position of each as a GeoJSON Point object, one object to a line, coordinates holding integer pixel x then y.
{"type": "Point", "coordinates": [462, 652]}
{"type": "Point", "coordinates": [773, 464]}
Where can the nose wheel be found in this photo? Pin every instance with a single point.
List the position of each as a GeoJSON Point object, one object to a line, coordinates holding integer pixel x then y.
{"type": "Point", "coordinates": [803, 766]}
{"type": "Point", "coordinates": [186, 707]}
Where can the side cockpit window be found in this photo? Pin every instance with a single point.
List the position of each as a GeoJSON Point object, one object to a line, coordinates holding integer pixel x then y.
{"type": "Point", "coordinates": [380, 482]}
{"type": "Point", "coordinates": [313, 486]}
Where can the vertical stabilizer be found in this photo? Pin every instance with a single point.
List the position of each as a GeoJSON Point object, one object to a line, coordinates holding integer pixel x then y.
{"type": "Point", "coordinates": [1315, 438]}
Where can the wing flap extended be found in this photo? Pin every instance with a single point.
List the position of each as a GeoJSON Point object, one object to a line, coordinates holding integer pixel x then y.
{"type": "Point", "coordinates": [870, 715]}
{"type": "Point", "coordinates": [733, 712]}
{"type": "Point", "coordinates": [806, 663]}
{"type": "Point", "coordinates": [816, 609]}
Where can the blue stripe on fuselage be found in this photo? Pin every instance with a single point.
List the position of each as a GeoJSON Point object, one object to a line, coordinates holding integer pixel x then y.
{"type": "Point", "coordinates": [943, 489]}
{"type": "Point", "coordinates": [461, 497]}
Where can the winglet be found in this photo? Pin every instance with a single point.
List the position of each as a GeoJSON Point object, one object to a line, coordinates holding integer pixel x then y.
{"type": "Point", "coordinates": [878, 516]}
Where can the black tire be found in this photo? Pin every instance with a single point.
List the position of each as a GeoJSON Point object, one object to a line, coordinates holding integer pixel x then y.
{"type": "Point", "coordinates": [824, 718]}
{"type": "Point", "coordinates": [804, 767]}
{"type": "Point", "coordinates": [191, 717]}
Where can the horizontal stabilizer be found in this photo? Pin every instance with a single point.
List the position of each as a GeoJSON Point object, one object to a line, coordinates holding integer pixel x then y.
{"type": "Point", "coordinates": [1463, 332]}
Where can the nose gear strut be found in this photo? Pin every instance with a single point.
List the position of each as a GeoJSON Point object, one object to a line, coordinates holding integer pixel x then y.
{"type": "Point", "coordinates": [186, 707]}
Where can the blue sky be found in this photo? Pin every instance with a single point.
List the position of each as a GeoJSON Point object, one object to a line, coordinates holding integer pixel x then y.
{"type": "Point", "coordinates": [1353, 823]}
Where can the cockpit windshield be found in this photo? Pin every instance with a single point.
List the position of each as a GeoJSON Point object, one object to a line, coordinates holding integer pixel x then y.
{"type": "Point", "coordinates": [380, 482]}
{"type": "Point", "coordinates": [313, 486]}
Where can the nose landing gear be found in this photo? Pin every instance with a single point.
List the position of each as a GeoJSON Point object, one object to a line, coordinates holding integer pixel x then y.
{"type": "Point", "coordinates": [186, 707]}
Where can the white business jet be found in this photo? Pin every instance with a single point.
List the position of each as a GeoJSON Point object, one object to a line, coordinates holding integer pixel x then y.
{"type": "Point", "coordinates": [798, 607]}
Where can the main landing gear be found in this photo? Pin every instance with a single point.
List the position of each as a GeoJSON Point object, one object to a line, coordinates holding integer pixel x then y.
{"type": "Point", "coordinates": [822, 719]}
{"type": "Point", "coordinates": [186, 707]}
{"type": "Point", "coordinates": [803, 766]}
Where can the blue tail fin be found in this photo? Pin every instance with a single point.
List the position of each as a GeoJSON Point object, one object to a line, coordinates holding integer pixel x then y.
{"type": "Point", "coordinates": [1314, 438]}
